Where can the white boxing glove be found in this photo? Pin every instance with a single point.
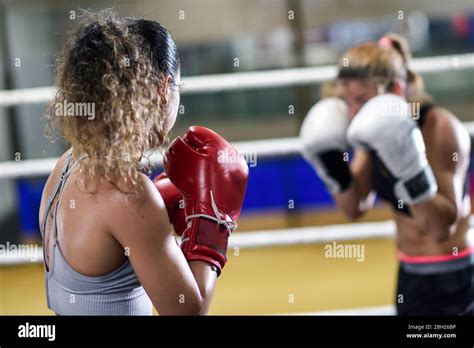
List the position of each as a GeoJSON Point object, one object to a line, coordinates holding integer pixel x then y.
{"type": "Point", "coordinates": [323, 138]}
{"type": "Point", "coordinates": [384, 125]}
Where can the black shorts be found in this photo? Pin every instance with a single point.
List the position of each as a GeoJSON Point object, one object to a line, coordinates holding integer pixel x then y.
{"type": "Point", "coordinates": [436, 288]}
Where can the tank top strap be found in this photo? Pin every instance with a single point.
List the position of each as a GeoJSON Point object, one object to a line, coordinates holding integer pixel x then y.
{"type": "Point", "coordinates": [67, 170]}
{"type": "Point", "coordinates": [58, 189]}
{"type": "Point", "coordinates": [55, 191]}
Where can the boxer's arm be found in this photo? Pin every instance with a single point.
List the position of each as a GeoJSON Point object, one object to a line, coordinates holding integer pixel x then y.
{"type": "Point", "coordinates": [359, 197]}
{"type": "Point", "coordinates": [449, 155]}
{"type": "Point", "coordinates": [174, 286]}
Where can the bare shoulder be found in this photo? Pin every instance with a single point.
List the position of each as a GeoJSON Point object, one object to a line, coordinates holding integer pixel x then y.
{"type": "Point", "coordinates": [446, 134]}
{"type": "Point", "coordinates": [120, 194]}
{"type": "Point", "coordinates": [444, 122]}
{"type": "Point", "coordinates": [143, 212]}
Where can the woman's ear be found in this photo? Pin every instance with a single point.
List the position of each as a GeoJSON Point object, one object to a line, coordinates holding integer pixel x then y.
{"type": "Point", "coordinates": [163, 89]}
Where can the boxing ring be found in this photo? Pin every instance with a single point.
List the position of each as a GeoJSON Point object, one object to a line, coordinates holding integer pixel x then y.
{"type": "Point", "coordinates": [298, 248]}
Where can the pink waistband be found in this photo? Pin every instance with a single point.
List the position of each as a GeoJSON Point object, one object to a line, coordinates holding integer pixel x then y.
{"type": "Point", "coordinates": [435, 258]}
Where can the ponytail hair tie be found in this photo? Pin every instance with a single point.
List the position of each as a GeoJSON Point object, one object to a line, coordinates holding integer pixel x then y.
{"type": "Point", "coordinates": [386, 42]}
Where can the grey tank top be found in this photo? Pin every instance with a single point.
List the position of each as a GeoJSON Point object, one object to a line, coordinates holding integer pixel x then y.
{"type": "Point", "coordinates": [71, 293]}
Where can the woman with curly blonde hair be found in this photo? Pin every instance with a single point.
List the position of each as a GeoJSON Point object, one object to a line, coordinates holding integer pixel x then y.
{"type": "Point", "coordinates": [106, 227]}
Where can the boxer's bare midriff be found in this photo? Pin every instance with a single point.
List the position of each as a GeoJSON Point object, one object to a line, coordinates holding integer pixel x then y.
{"type": "Point", "coordinates": [413, 241]}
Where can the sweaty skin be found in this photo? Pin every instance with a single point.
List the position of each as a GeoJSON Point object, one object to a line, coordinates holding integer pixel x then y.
{"type": "Point", "coordinates": [442, 227]}
{"type": "Point", "coordinates": [438, 226]}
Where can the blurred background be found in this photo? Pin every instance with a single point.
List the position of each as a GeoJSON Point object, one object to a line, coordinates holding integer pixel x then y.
{"type": "Point", "coordinates": [234, 36]}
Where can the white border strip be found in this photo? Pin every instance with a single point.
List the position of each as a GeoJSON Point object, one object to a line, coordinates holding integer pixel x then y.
{"type": "Point", "coordinates": [364, 311]}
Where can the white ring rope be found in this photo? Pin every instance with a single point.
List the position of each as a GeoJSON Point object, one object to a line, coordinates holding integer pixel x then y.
{"type": "Point", "coordinates": [261, 239]}
{"type": "Point", "coordinates": [33, 95]}
{"type": "Point", "coordinates": [252, 80]}
{"type": "Point", "coordinates": [27, 168]}
{"type": "Point", "coordinates": [213, 83]}
{"type": "Point", "coordinates": [260, 149]}
{"type": "Point", "coordinates": [313, 235]}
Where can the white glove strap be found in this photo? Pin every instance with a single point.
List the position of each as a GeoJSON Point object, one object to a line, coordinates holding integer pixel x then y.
{"type": "Point", "coordinates": [230, 224]}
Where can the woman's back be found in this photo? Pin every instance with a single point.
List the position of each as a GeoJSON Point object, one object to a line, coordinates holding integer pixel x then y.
{"type": "Point", "coordinates": [88, 271]}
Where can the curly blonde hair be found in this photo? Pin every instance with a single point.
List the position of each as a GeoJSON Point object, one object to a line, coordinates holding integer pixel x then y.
{"type": "Point", "coordinates": [106, 64]}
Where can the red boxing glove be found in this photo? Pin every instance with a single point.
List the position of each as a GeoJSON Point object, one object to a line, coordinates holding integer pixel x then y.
{"type": "Point", "coordinates": [212, 177]}
{"type": "Point", "coordinates": [173, 201]}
